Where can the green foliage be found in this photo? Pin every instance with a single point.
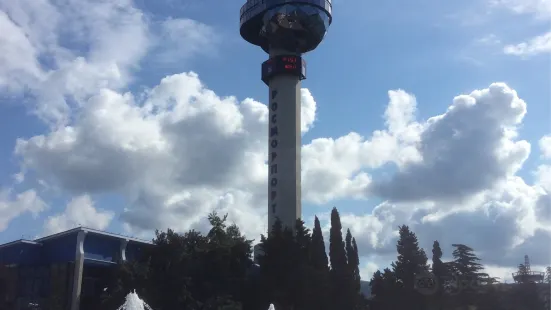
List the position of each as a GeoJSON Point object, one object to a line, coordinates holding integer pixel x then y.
{"type": "Point", "coordinates": [317, 252]}
{"type": "Point", "coordinates": [465, 262]}
{"type": "Point", "coordinates": [188, 271]}
{"type": "Point", "coordinates": [215, 272]}
{"type": "Point", "coordinates": [341, 274]}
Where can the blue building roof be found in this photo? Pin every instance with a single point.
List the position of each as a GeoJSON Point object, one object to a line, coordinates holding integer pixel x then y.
{"type": "Point", "coordinates": [100, 247]}
{"type": "Point", "coordinates": [93, 231]}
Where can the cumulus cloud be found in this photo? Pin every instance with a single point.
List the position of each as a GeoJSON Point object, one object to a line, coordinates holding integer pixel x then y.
{"type": "Point", "coordinates": [60, 54]}
{"type": "Point", "coordinates": [463, 187]}
{"type": "Point", "coordinates": [13, 205]}
{"type": "Point", "coordinates": [180, 153]}
{"type": "Point", "coordinates": [177, 151]}
{"type": "Point", "coordinates": [466, 150]}
{"type": "Point", "coordinates": [80, 211]}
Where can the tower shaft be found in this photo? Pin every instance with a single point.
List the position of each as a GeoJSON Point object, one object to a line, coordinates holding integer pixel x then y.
{"type": "Point", "coordinates": [284, 160]}
{"type": "Point", "coordinates": [285, 30]}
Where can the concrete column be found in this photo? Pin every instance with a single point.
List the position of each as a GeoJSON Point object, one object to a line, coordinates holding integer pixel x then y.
{"type": "Point", "coordinates": [284, 174]}
{"type": "Point", "coordinates": [79, 267]}
{"type": "Point", "coordinates": [124, 243]}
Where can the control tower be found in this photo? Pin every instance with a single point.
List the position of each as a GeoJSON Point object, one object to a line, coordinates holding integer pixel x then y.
{"type": "Point", "coordinates": [285, 29]}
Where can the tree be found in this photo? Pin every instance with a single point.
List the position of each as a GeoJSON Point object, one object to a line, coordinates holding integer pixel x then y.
{"type": "Point", "coordinates": [356, 266]}
{"type": "Point", "coordinates": [527, 296]}
{"type": "Point", "coordinates": [465, 262]}
{"type": "Point", "coordinates": [189, 271]}
{"type": "Point", "coordinates": [353, 271]}
{"type": "Point", "coordinates": [548, 274]}
{"type": "Point", "coordinates": [303, 289]}
{"type": "Point", "coordinates": [440, 271]}
{"type": "Point", "coordinates": [410, 262]}
{"type": "Point", "coordinates": [468, 274]}
{"type": "Point", "coordinates": [319, 263]}
{"type": "Point", "coordinates": [277, 265]}
{"type": "Point", "coordinates": [384, 288]}
{"type": "Point", "coordinates": [317, 251]}
{"type": "Point", "coordinates": [215, 271]}
{"type": "Point", "coordinates": [339, 264]}
{"type": "Point", "coordinates": [438, 267]}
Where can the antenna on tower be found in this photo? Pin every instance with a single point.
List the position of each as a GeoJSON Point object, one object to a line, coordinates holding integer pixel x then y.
{"type": "Point", "coordinates": [527, 263]}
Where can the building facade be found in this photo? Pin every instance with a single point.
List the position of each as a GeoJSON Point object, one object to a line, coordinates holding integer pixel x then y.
{"type": "Point", "coordinates": [62, 271]}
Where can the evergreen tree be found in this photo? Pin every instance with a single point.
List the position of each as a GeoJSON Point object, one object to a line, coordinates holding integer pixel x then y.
{"type": "Point", "coordinates": [548, 274]}
{"type": "Point", "coordinates": [438, 267]}
{"type": "Point", "coordinates": [411, 261]}
{"type": "Point", "coordinates": [468, 274]}
{"type": "Point", "coordinates": [317, 251]}
{"type": "Point", "coordinates": [302, 284]}
{"type": "Point", "coordinates": [384, 289]}
{"type": "Point", "coordinates": [378, 292]}
{"type": "Point", "coordinates": [465, 262]}
{"type": "Point", "coordinates": [527, 296]}
{"type": "Point", "coordinates": [277, 265]}
{"type": "Point", "coordinates": [188, 271]}
{"type": "Point", "coordinates": [320, 282]}
{"type": "Point", "coordinates": [339, 265]}
{"type": "Point", "coordinates": [337, 254]}
{"type": "Point", "coordinates": [440, 272]}
{"type": "Point", "coordinates": [353, 270]}
{"type": "Point", "coordinates": [356, 264]}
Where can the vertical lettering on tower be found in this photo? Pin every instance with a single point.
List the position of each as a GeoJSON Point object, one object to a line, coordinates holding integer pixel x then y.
{"type": "Point", "coordinates": [273, 149]}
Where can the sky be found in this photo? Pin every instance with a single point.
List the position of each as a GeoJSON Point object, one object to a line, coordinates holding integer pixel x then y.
{"type": "Point", "coordinates": [130, 116]}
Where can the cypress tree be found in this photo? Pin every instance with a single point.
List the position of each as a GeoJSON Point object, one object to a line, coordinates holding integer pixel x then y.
{"type": "Point", "coordinates": [337, 254]}
{"type": "Point", "coordinates": [440, 271]}
{"type": "Point", "coordinates": [356, 264]}
{"type": "Point", "coordinates": [301, 286]}
{"type": "Point", "coordinates": [319, 277]}
{"type": "Point", "coordinates": [303, 240]}
{"type": "Point", "coordinates": [351, 266]}
{"type": "Point", "coordinates": [339, 263]}
{"type": "Point", "coordinates": [317, 251]}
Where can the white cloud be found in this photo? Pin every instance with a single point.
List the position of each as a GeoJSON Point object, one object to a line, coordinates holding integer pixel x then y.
{"type": "Point", "coordinates": [468, 149]}
{"type": "Point", "coordinates": [80, 211]}
{"type": "Point", "coordinates": [540, 11]}
{"type": "Point", "coordinates": [537, 45]}
{"type": "Point", "coordinates": [181, 152]}
{"type": "Point", "coordinates": [367, 270]}
{"type": "Point", "coordinates": [183, 38]}
{"type": "Point", "coordinates": [178, 151]}
{"type": "Point", "coordinates": [539, 8]}
{"type": "Point", "coordinates": [63, 53]}
{"type": "Point", "coordinates": [12, 206]}
{"type": "Point", "coordinates": [545, 146]}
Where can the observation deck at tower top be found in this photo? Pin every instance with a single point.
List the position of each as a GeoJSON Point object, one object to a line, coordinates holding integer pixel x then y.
{"type": "Point", "coordinates": [262, 22]}
{"type": "Point", "coordinates": [253, 7]}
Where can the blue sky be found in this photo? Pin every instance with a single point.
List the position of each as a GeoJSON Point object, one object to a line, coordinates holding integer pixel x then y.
{"type": "Point", "coordinates": [432, 50]}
